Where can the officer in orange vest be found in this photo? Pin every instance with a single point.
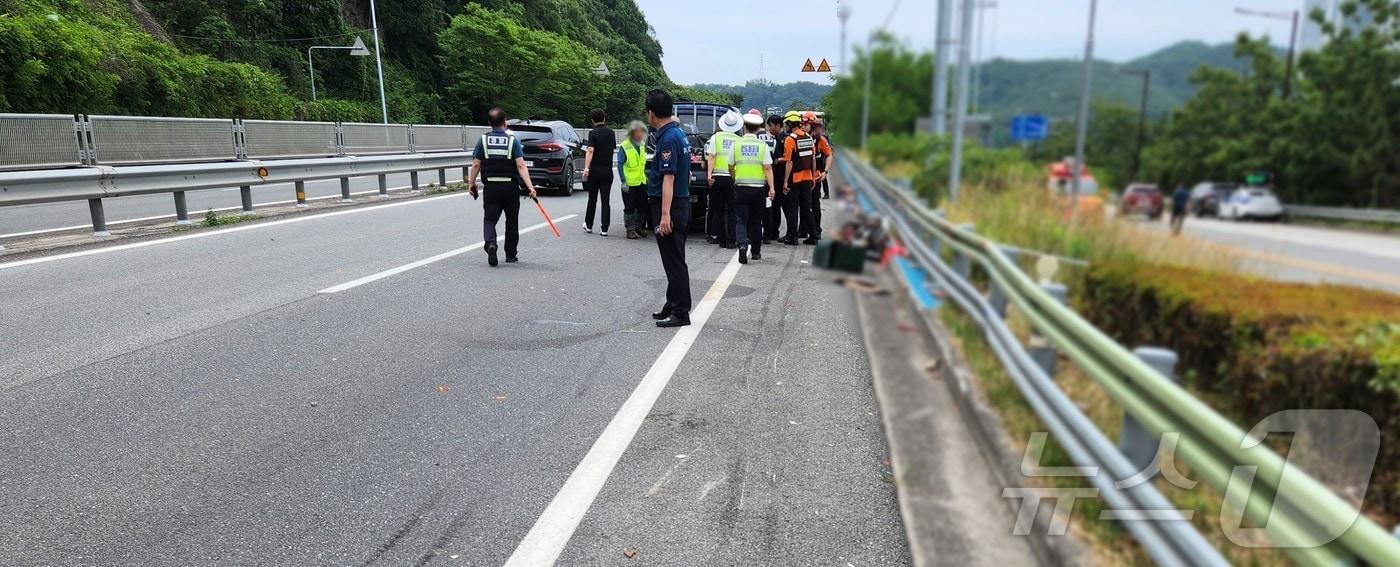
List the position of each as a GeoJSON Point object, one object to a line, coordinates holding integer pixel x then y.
{"type": "Point", "coordinates": [800, 152]}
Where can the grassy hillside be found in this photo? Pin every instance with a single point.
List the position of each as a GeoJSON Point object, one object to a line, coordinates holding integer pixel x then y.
{"type": "Point", "coordinates": [248, 59]}
{"type": "Point", "coordinates": [763, 94]}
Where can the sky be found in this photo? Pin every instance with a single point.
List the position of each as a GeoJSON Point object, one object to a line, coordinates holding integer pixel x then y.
{"type": "Point", "coordinates": [709, 42]}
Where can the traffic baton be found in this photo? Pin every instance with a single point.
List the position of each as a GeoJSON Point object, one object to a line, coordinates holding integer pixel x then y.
{"type": "Point", "coordinates": [546, 217]}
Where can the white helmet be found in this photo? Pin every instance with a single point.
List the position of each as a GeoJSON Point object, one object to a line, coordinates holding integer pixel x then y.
{"type": "Point", "coordinates": [731, 122]}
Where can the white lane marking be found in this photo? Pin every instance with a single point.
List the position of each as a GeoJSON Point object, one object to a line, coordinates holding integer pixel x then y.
{"type": "Point", "coordinates": [171, 216]}
{"type": "Point", "coordinates": [429, 260]}
{"type": "Point", "coordinates": [552, 531]}
{"type": "Point", "coordinates": [220, 232]}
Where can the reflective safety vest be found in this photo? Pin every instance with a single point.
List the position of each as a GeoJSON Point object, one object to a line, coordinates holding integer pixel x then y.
{"type": "Point", "coordinates": [721, 144]}
{"type": "Point", "coordinates": [634, 170]}
{"type": "Point", "coordinates": [749, 155]}
{"type": "Point", "coordinates": [770, 140]}
{"type": "Point", "coordinates": [499, 166]}
{"type": "Point", "coordinates": [804, 158]}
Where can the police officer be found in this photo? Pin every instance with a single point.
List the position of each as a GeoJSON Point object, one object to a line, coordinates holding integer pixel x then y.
{"type": "Point", "coordinates": [752, 167]}
{"type": "Point", "coordinates": [668, 195]}
{"type": "Point", "coordinates": [719, 219]}
{"type": "Point", "coordinates": [500, 159]}
{"type": "Point", "coordinates": [783, 204]}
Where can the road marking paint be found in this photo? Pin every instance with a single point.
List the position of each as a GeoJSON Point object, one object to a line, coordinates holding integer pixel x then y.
{"type": "Point", "coordinates": [1320, 267]}
{"type": "Point", "coordinates": [171, 216]}
{"type": "Point", "coordinates": [420, 263]}
{"type": "Point", "coordinates": [552, 531]}
{"type": "Point", "coordinates": [220, 232]}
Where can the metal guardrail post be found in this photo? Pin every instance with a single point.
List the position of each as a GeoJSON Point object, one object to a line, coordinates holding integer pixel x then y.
{"type": "Point", "coordinates": [464, 174]}
{"type": "Point", "coordinates": [961, 263]}
{"type": "Point", "coordinates": [413, 180]}
{"type": "Point", "coordinates": [99, 219]}
{"type": "Point", "coordinates": [1042, 351]}
{"type": "Point", "coordinates": [345, 190]}
{"type": "Point", "coordinates": [182, 210]}
{"type": "Point", "coordinates": [1135, 442]}
{"type": "Point", "coordinates": [938, 241]}
{"type": "Point", "coordinates": [301, 194]}
{"type": "Point", "coordinates": [998, 297]}
{"type": "Point", "coordinates": [245, 194]}
{"type": "Point", "coordinates": [383, 186]}
{"type": "Point", "coordinates": [442, 177]}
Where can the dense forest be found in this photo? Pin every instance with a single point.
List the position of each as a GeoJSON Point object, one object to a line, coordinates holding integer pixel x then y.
{"type": "Point", "coordinates": [1328, 134]}
{"type": "Point", "coordinates": [444, 61]}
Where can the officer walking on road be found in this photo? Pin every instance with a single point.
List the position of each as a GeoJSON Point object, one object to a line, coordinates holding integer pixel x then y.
{"type": "Point", "coordinates": [719, 219]}
{"type": "Point", "coordinates": [632, 170]}
{"type": "Point", "coordinates": [597, 170]}
{"type": "Point", "coordinates": [752, 168]}
{"type": "Point", "coordinates": [500, 158]}
{"type": "Point", "coordinates": [668, 196]}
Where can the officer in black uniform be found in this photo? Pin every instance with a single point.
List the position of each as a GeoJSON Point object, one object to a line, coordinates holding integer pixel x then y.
{"type": "Point", "coordinates": [500, 158]}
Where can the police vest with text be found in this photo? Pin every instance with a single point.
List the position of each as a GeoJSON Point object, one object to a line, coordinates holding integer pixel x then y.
{"type": "Point", "coordinates": [749, 155]}
{"type": "Point", "coordinates": [499, 167]}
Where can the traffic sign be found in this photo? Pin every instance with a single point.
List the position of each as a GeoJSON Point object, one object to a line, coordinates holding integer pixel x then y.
{"type": "Point", "coordinates": [1029, 128]}
{"type": "Point", "coordinates": [808, 67]}
{"type": "Point", "coordinates": [824, 67]}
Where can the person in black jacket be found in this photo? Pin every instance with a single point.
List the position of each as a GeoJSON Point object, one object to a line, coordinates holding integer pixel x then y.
{"type": "Point", "coordinates": [597, 170]}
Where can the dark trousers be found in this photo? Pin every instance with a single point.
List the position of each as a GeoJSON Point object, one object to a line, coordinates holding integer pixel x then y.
{"type": "Point", "coordinates": [807, 202]}
{"type": "Point", "coordinates": [719, 219]}
{"type": "Point", "coordinates": [789, 204]}
{"type": "Point", "coordinates": [635, 211]}
{"type": "Point", "coordinates": [672, 248]}
{"type": "Point", "coordinates": [774, 222]}
{"type": "Point", "coordinates": [499, 199]}
{"type": "Point", "coordinates": [749, 211]}
{"type": "Point", "coordinates": [826, 188]}
{"type": "Point", "coordinates": [598, 183]}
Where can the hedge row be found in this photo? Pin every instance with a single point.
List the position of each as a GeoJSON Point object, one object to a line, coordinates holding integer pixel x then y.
{"type": "Point", "coordinates": [1253, 347]}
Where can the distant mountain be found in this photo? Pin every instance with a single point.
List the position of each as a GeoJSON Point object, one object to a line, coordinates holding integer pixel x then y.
{"type": "Point", "coordinates": [764, 94]}
{"type": "Point", "coordinates": [1052, 86]}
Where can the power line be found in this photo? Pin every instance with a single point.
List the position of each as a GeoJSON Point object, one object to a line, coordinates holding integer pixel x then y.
{"type": "Point", "coordinates": [286, 40]}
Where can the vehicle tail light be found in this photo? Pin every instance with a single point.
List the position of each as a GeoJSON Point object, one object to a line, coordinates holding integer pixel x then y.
{"type": "Point", "coordinates": [550, 147]}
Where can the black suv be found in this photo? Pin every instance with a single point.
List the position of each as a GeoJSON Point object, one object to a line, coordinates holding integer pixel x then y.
{"type": "Point", "coordinates": [553, 152]}
{"type": "Point", "coordinates": [700, 121]}
{"type": "Point", "coordinates": [1207, 196]}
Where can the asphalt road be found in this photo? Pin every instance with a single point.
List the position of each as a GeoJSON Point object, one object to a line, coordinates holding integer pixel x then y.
{"type": "Point", "coordinates": [199, 401]}
{"type": "Point", "coordinates": [1308, 254]}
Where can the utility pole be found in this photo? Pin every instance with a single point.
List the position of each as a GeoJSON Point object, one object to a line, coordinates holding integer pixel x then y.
{"type": "Point", "coordinates": [869, 68]}
{"type": "Point", "coordinates": [1082, 129]}
{"type": "Point", "coordinates": [978, 58]}
{"type": "Point", "coordinates": [378, 63]}
{"type": "Point", "coordinates": [960, 100]}
{"type": "Point", "coordinates": [1292, 41]}
{"type": "Point", "coordinates": [1142, 122]}
{"type": "Point", "coordinates": [940, 67]}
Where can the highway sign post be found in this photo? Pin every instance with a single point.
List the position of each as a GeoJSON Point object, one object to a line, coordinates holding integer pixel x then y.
{"type": "Point", "coordinates": [1029, 128]}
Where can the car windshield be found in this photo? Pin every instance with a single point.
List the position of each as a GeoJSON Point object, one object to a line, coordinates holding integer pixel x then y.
{"type": "Point", "coordinates": [692, 124]}
{"type": "Point", "coordinates": [1259, 192]}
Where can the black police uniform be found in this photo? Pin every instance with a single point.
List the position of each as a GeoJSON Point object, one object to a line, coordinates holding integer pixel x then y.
{"type": "Point", "coordinates": [497, 151]}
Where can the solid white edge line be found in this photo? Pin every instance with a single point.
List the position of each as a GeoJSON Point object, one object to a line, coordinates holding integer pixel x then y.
{"type": "Point", "coordinates": [429, 260]}
{"type": "Point", "coordinates": [220, 232]}
{"type": "Point", "coordinates": [556, 526]}
{"type": "Point", "coordinates": [171, 216]}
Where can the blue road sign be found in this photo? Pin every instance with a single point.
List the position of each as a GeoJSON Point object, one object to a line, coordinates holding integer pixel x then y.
{"type": "Point", "coordinates": [1029, 128]}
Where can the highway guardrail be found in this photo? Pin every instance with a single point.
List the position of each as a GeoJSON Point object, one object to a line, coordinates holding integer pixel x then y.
{"type": "Point", "coordinates": [1295, 507]}
{"type": "Point", "coordinates": [1389, 216]}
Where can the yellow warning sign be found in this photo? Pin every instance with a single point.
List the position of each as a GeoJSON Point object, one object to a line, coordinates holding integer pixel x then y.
{"type": "Point", "coordinates": [824, 67]}
{"type": "Point", "coordinates": [808, 67]}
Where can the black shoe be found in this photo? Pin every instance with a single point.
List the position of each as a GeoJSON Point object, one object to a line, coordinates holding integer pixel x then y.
{"type": "Point", "coordinates": [512, 259]}
{"type": "Point", "coordinates": [743, 255]}
{"type": "Point", "coordinates": [729, 245]}
{"type": "Point", "coordinates": [756, 256]}
{"type": "Point", "coordinates": [491, 254]}
{"type": "Point", "coordinates": [664, 313]}
{"type": "Point", "coordinates": [811, 241]}
{"type": "Point", "coordinates": [711, 240]}
{"type": "Point", "coordinates": [789, 241]}
{"type": "Point", "coordinates": [673, 321]}
{"type": "Point", "coordinates": [768, 241]}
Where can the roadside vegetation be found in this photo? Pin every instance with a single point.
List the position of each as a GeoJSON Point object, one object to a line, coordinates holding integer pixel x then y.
{"type": "Point", "coordinates": [212, 218]}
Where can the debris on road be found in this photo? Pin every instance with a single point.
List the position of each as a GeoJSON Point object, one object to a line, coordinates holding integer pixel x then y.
{"type": "Point", "coordinates": [442, 388]}
{"type": "Point", "coordinates": [629, 553]}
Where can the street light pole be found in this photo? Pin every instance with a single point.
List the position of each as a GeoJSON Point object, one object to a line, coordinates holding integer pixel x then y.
{"type": "Point", "coordinates": [960, 99]}
{"type": "Point", "coordinates": [378, 63]}
{"type": "Point", "coordinates": [940, 67]}
{"type": "Point", "coordinates": [843, 13]}
{"type": "Point", "coordinates": [1292, 40]}
{"type": "Point", "coordinates": [1142, 122]}
{"type": "Point", "coordinates": [869, 68]}
{"type": "Point", "coordinates": [1082, 128]}
{"type": "Point", "coordinates": [358, 50]}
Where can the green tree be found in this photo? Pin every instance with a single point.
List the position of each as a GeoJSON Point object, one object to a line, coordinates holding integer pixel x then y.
{"type": "Point", "coordinates": [901, 84]}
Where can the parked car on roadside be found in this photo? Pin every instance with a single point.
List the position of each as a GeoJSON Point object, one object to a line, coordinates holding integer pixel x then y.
{"type": "Point", "coordinates": [1251, 203]}
{"type": "Point", "coordinates": [553, 152]}
{"type": "Point", "coordinates": [1207, 196]}
{"type": "Point", "coordinates": [1141, 199]}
